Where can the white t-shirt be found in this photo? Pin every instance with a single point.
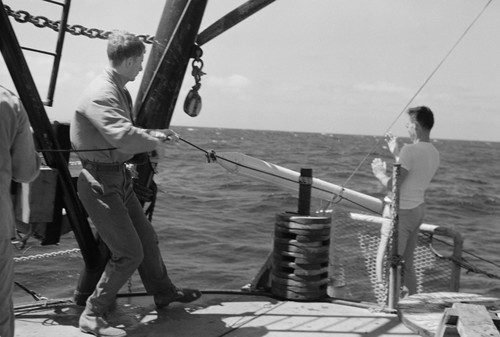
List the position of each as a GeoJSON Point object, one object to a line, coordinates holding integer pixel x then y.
{"type": "Point", "coordinates": [421, 160]}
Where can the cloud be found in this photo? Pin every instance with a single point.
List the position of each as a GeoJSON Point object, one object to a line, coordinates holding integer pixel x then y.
{"type": "Point", "coordinates": [234, 82]}
{"type": "Point", "coordinates": [381, 86]}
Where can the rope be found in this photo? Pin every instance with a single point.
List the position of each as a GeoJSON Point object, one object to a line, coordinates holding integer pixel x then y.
{"type": "Point", "coordinates": [195, 146]}
{"type": "Point", "coordinates": [212, 156]}
{"type": "Point", "coordinates": [245, 320]}
{"type": "Point", "coordinates": [462, 262]}
{"type": "Point", "coordinates": [464, 251]}
{"type": "Point", "coordinates": [33, 294]}
{"type": "Point", "coordinates": [42, 304]}
{"type": "Point", "coordinates": [73, 150]}
{"type": "Point", "coordinates": [420, 89]}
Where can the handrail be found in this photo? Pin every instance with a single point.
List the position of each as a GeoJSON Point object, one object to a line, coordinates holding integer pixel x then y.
{"type": "Point", "coordinates": [430, 229]}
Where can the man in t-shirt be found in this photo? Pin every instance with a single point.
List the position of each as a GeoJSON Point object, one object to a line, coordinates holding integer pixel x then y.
{"type": "Point", "coordinates": [419, 162]}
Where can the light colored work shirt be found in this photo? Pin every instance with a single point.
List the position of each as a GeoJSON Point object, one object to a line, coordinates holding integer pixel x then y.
{"type": "Point", "coordinates": [421, 160]}
{"type": "Point", "coordinates": [18, 158]}
{"type": "Point", "coordinates": [103, 122]}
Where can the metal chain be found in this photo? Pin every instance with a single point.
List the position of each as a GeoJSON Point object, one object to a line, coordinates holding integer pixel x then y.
{"type": "Point", "coordinates": [42, 22]}
{"type": "Point", "coordinates": [129, 285]}
{"type": "Point", "coordinates": [46, 255]}
{"type": "Point", "coordinates": [197, 72]}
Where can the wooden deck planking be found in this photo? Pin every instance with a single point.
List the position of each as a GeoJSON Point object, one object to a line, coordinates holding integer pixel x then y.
{"type": "Point", "coordinates": [426, 313]}
{"type": "Point", "coordinates": [474, 320]}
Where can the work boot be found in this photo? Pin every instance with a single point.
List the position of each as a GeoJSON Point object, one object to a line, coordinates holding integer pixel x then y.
{"type": "Point", "coordinates": [96, 324]}
{"type": "Point", "coordinates": [183, 295]}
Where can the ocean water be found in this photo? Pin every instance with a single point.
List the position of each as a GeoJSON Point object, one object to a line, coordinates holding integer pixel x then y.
{"type": "Point", "coordinates": [215, 227]}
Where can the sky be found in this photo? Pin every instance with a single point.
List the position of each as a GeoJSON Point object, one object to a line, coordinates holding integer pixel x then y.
{"type": "Point", "coordinates": [324, 66]}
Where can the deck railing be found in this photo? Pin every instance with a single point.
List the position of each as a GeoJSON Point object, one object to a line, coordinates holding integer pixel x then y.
{"type": "Point", "coordinates": [359, 258]}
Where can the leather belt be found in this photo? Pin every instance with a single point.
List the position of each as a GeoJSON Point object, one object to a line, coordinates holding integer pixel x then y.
{"type": "Point", "coordinates": [103, 167]}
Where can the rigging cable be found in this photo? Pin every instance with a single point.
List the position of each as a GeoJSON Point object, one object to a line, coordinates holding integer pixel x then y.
{"type": "Point", "coordinates": [419, 89]}
{"type": "Point", "coordinates": [73, 150]}
{"type": "Point", "coordinates": [212, 156]}
{"type": "Point", "coordinates": [461, 261]}
{"type": "Point", "coordinates": [464, 251]}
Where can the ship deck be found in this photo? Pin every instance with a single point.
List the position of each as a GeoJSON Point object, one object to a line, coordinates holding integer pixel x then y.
{"type": "Point", "coordinates": [219, 314]}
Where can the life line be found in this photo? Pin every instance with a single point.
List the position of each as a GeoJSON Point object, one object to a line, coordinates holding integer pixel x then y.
{"type": "Point", "coordinates": [244, 165]}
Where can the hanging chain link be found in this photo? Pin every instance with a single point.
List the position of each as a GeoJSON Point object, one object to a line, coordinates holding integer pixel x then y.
{"type": "Point", "coordinates": [47, 255]}
{"type": "Point", "coordinates": [192, 104]}
{"type": "Point", "coordinates": [42, 22]}
{"type": "Point", "coordinates": [197, 72]}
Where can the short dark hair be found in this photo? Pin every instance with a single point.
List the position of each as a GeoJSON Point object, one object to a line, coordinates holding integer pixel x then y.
{"type": "Point", "coordinates": [122, 45]}
{"type": "Point", "coordinates": [423, 115]}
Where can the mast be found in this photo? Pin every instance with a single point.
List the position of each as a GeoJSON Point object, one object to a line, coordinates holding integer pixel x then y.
{"type": "Point", "coordinates": [173, 47]}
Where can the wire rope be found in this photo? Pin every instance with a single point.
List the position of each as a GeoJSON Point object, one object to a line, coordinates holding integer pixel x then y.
{"type": "Point", "coordinates": [211, 155]}
{"type": "Point", "coordinates": [73, 150]}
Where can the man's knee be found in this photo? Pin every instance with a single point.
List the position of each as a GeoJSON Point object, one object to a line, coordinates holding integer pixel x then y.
{"type": "Point", "coordinates": [129, 260]}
